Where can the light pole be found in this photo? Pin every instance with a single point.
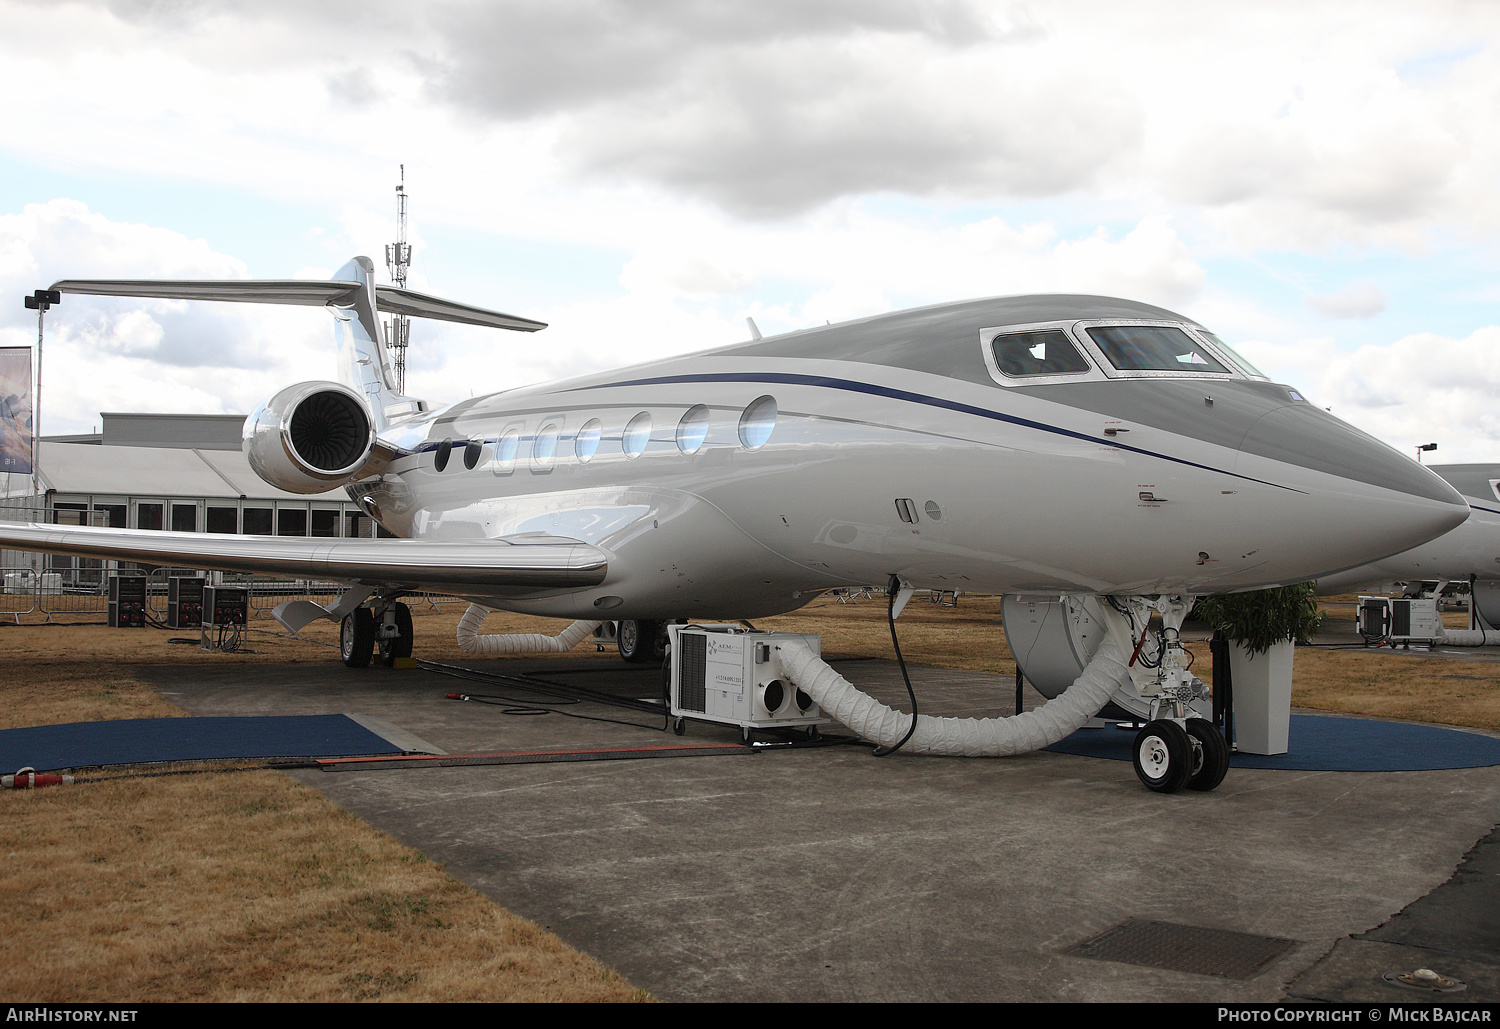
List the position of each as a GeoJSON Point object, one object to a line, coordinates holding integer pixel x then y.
{"type": "Point", "coordinates": [41, 302]}
{"type": "Point", "coordinates": [1424, 446]}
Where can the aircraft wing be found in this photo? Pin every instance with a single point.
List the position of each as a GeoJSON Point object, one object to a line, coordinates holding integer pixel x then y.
{"type": "Point", "coordinates": [303, 292]}
{"type": "Point", "coordinates": [531, 561]}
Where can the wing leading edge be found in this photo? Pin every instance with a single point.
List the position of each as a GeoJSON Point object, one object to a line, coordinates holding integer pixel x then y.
{"type": "Point", "coordinates": [524, 562]}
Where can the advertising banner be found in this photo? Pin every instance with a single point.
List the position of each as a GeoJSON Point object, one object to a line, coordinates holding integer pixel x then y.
{"type": "Point", "coordinates": [15, 409]}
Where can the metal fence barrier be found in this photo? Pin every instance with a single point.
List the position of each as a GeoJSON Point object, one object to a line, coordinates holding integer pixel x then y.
{"type": "Point", "coordinates": [81, 591]}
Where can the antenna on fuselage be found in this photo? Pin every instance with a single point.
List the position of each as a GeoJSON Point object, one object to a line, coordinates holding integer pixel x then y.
{"type": "Point", "coordinates": [397, 260]}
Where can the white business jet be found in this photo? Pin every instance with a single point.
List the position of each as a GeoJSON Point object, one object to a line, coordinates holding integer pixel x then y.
{"type": "Point", "coordinates": [1470, 553]}
{"type": "Point", "coordinates": [1033, 445]}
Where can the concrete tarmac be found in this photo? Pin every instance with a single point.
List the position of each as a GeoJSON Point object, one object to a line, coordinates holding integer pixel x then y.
{"type": "Point", "coordinates": [827, 874]}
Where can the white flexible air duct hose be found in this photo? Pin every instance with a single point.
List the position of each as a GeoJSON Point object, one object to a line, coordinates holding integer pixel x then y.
{"type": "Point", "coordinates": [1468, 638]}
{"type": "Point", "coordinates": [961, 737]}
{"type": "Point", "coordinates": [470, 642]}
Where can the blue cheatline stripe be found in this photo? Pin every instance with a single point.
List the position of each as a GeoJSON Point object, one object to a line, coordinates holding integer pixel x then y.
{"type": "Point", "coordinates": [850, 385]}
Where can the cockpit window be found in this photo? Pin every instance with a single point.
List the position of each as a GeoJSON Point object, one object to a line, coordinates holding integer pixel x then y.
{"type": "Point", "coordinates": [1040, 352]}
{"type": "Point", "coordinates": [1234, 355]}
{"type": "Point", "coordinates": [1153, 348]}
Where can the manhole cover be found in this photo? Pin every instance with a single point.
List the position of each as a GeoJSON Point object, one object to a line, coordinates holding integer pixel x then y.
{"type": "Point", "coordinates": [1185, 948]}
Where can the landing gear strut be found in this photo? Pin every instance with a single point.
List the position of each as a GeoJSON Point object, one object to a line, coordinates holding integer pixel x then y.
{"type": "Point", "coordinates": [395, 634]}
{"type": "Point", "coordinates": [363, 631]}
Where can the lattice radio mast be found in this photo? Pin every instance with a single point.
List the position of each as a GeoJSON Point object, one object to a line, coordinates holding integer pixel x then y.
{"type": "Point", "coordinates": [397, 260]}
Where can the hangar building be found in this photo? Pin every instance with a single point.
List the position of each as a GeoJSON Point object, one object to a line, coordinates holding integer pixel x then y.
{"type": "Point", "coordinates": [184, 472]}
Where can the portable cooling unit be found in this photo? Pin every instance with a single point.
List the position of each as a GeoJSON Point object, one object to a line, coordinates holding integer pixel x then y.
{"type": "Point", "coordinates": [732, 675]}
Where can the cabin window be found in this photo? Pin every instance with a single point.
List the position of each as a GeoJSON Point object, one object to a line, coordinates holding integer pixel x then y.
{"type": "Point", "coordinates": [586, 445]}
{"type": "Point", "coordinates": [1040, 352]}
{"type": "Point", "coordinates": [757, 423]}
{"type": "Point", "coordinates": [544, 447]}
{"type": "Point", "coordinates": [637, 435]}
{"type": "Point", "coordinates": [1153, 348]}
{"type": "Point", "coordinates": [444, 451]}
{"type": "Point", "coordinates": [505, 451]}
{"type": "Point", "coordinates": [692, 429]}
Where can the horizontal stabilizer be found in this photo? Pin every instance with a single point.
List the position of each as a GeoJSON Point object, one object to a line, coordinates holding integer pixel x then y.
{"type": "Point", "coordinates": [532, 562]}
{"type": "Point", "coordinates": [304, 292]}
{"type": "Point", "coordinates": [420, 305]}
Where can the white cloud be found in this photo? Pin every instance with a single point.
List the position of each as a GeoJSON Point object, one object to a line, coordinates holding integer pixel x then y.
{"type": "Point", "coordinates": [118, 354]}
{"type": "Point", "coordinates": [1361, 300]}
{"type": "Point", "coordinates": [1422, 388]}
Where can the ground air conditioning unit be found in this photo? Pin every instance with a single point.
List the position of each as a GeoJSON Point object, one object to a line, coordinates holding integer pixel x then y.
{"type": "Point", "coordinates": [732, 675]}
{"type": "Point", "coordinates": [1400, 622]}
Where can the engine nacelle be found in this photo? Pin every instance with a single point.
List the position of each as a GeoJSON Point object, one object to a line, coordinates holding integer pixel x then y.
{"type": "Point", "coordinates": [311, 437]}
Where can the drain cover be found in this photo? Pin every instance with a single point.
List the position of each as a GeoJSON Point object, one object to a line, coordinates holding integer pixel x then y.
{"type": "Point", "coordinates": [1425, 979]}
{"type": "Point", "coordinates": [1185, 948]}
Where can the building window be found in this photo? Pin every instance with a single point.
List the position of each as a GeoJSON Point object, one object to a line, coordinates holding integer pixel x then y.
{"type": "Point", "coordinates": [291, 521]}
{"type": "Point", "coordinates": [184, 517]}
{"type": "Point", "coordinates": [223, 519]}
{"type": "Point", "coordinates": [325, 523]}
{"type": "Point", "coordinates": [257, 521]}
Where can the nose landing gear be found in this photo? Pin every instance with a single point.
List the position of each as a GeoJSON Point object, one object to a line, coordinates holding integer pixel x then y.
{"type": "Point", "coordinates": [1169, 756]}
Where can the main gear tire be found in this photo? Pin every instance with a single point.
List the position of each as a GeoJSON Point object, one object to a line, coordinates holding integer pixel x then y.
{"type": "Point", "coordinates": [637, 641]}
{"type": "Point", "coordinates": [357, 638]}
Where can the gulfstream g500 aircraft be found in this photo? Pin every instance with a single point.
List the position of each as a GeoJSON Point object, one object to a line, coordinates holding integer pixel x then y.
{"type": "Point", "coordinates": [1053, 445]}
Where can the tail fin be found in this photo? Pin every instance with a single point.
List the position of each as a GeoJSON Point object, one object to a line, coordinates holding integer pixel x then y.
{"type": "Point", "coordinates": [364, 364]}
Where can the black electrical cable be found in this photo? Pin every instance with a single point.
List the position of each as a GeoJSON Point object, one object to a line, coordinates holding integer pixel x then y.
{"type": "Point", "coordinates": [892, 588]}
{"type": "Point", "coordinates": [561, 693]}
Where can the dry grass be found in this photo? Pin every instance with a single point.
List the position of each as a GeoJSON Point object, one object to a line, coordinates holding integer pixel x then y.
{"type": "Point", "coordinates": [240, 885]}
{"type": "Point", "coordinates": [266, 892]}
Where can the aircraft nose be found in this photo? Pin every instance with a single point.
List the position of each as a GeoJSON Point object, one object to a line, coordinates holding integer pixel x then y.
{"type": "Point", "coordinates": [1380, 501]}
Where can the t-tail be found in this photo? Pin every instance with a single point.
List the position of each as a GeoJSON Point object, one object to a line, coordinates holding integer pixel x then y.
{"type": "Point", "coordinates": [313, 436]}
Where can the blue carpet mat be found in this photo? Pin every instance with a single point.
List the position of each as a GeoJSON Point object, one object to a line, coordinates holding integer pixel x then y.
{"type": "Point", "coordinates": [141, 740]}
{"type": "Point", "coordinates": [1328, 743]}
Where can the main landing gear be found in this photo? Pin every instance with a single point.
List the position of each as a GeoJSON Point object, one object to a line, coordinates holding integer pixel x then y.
{"type": "Point", "coordinates": [640, 642]}
{"type": "Point", "coordinates": [1169, 756]}
{"type": "Point", "coordinates": [364, 631]}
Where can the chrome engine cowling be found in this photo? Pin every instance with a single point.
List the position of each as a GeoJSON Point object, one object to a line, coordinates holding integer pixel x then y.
{"type": "Point", "coordinates": [311, 437]}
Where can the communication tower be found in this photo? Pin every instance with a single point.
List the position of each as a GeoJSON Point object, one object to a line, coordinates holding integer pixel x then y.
{"type": "Point", "coordinates": [397, 260]}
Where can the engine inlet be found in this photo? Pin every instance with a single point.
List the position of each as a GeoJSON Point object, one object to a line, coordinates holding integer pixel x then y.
{"type": "Point", "coordinates": [330, 431]}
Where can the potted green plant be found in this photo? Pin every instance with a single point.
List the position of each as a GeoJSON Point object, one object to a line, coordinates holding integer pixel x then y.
{"type": "Point", "coordinates": [1261, 630]}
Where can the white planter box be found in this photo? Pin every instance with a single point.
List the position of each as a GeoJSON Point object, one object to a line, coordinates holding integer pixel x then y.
{"type": "Point", "coordinates": [1262, 685]}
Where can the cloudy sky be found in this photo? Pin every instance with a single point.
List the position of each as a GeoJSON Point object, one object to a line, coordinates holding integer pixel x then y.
{"type": "Point", "coordinates": [1314, 181]}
